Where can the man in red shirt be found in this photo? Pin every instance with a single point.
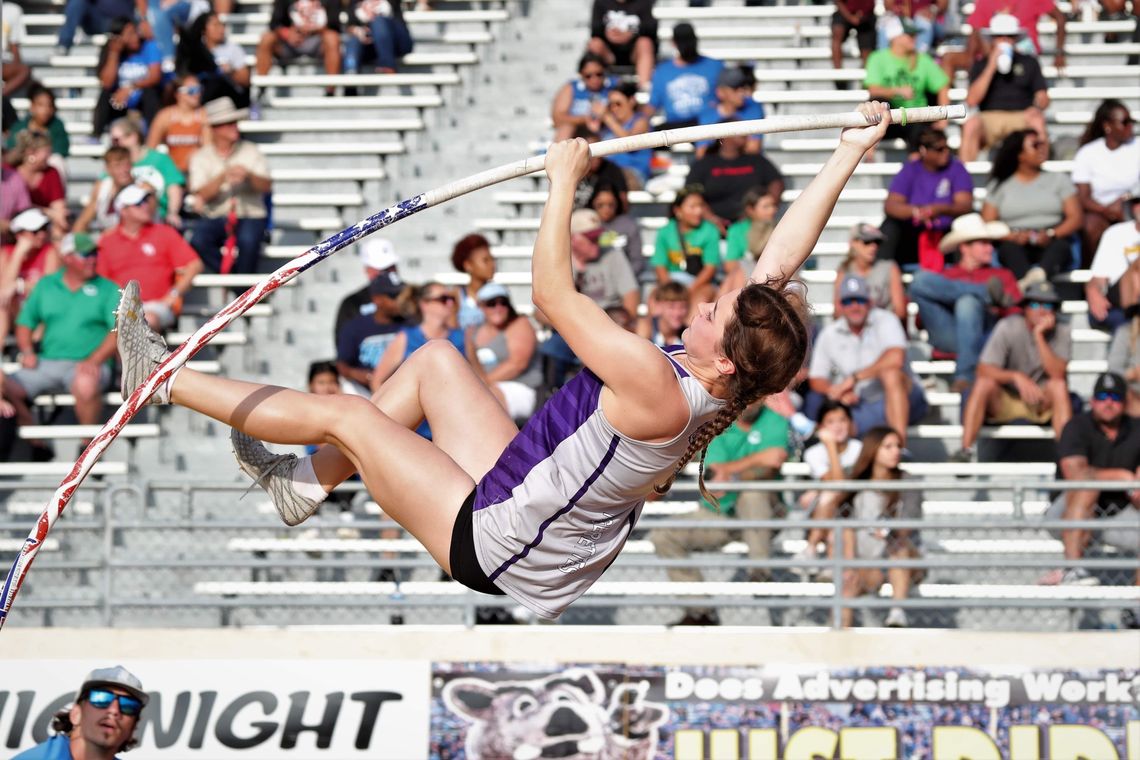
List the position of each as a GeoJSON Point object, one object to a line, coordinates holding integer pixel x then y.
{"type": "Point", "coordinates": [155, 254]}
{"type": "Point", "coordinates": [955, 306]}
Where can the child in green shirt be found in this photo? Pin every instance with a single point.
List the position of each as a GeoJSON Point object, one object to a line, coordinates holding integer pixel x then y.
{"type": "Point", "coordinates": [687, 249]}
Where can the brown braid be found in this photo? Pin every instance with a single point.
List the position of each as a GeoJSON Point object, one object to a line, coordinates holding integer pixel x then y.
{"type": "Point", "coordinates": [767, 341]}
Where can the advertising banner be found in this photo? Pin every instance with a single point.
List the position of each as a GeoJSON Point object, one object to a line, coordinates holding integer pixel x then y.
{"type": "Point", "coordinates": [217, 709]}
{"type": "Point", "coordinates": [484, 711]}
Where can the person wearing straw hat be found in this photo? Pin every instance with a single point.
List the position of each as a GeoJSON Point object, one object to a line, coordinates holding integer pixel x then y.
{"type": "Point", "coordinates": [960, 306]}
{"type": "Point", "coordinates": [1021, 371]}
{"type": "Point", "coordinates": [229, 180]}
{"type": "Point", "coordinates": [537, 514]}
{"type": "Point", "coordinates": [1007, 87]}
{"type": "Point", "coordinates": [100, 722]}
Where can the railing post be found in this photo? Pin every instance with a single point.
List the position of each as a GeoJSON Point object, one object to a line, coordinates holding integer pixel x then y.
{"type": "Point", "coordinates": [837, 577]}
{"type": "Point", "coordinates": [108, 546]}
{"type": "Point", "coordinates": [1018, 500]}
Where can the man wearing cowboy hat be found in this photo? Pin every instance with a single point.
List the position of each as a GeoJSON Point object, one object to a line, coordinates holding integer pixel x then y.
{"type": "Point", "coordinates": [1022, 371]}
{"type": "Point", "coordinates": [230, 180]}
{"type": "Point", "coordinates": [958, 306]}
{"type": "Point", "coordinates": [1007, 87]}
{"type": "Point", "coordinates": [1115, 282]}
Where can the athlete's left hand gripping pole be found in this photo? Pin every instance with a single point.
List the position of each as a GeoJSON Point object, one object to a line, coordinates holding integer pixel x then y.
{"type": "Point", "coordinates": [326, 248]}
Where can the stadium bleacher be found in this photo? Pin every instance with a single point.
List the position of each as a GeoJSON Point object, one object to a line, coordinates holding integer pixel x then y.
{"type": "Point", "coordinates": [186, 548]}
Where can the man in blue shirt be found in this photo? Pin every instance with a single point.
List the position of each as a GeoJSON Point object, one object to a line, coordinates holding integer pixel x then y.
{"type": "Point", "coordinates": [684, 86]}
{"type": "Point", "coordinates": [734, 87]}
{"type": "Point", "coordinates": [101, 721]}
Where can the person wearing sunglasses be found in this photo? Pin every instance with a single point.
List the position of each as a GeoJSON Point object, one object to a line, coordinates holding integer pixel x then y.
{"type": "Point", "coordinates": [579, 102]}
{"type": "Point", "coordinates": [1100, 444]}
{"type": "Point", "coordinates": [1021, 371]}
{"type": "Point", "coordinates": [181, 127]}
{"type": "Point", "coordinates": [1105, 169]}
{"type": "Point", "coordinates": [435, 318]}
{"type": "Point", "coordinates": [923, 200]}
{"type": "Point", "coordinates": [101, 721]}
{"type": "Point", "coordinates": [503, 352]}
{"type": "Point", "coordinates": [1040, 207]}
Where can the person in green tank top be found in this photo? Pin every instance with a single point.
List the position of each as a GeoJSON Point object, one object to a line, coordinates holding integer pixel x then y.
{"type": "Point", "coordinates": [687, 249]}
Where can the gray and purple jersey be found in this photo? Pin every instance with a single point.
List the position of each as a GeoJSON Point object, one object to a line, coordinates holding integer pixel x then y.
{"type": "Point", "coordinates": [562, 499]}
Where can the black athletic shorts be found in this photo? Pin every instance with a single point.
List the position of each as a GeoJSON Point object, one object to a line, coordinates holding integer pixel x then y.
{"type": "Point", "coordinates": [465, 566]}
{"type": "Point", "coordinates": [864, 32]}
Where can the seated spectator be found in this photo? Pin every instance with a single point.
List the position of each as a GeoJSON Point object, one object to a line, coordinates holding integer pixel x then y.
{"type": "Point", "coordinates": [852, 16]}
{"type": "Point", "coordinates": [879, 460]}
{"type": "Point", "coordinates": [580, 102]}
{"type": "Point", "coordinates": [601, 171]}
{"type": "Point", "coordinates": [130, 73]}
{"type": "Point", "coordinates": [602, 274]}
{"type": "Point", "coordinates": [684, 86]}
{"type": "Point", "coordinates": [1021, 372]}
{"type": "Point", "coordinates": [503, 352]}
{"type": "Point", "coordinates": [42, 118]}
{"type": "Point", "coordinates": [99, 213]}
{"type": "Point", "coordinates": [624, 33]}
{"type": "Point", "coordinates": [883, 278]}
{"type": "Point", "coordinates": [903, 76]}
{"type": "Point", "coordinates": [752, 448]}
{"type": "Point", "coordinates": [1009, 89]}
{"type": "Point", "coordinates": [362, 340]}
{"type": "Point", "coordinates": [860, 359]}
{"type": "Point", "coordinates": [1114, 284]}
{"type": "Point", "coordinates": [376, 33]}
{"type": "Point", "coordinates": [75, 309]}
{"type": "Point", "coordinates": [745, 240]}
{"type": "Point", "coordinates": [923, 199]}
{"type": "Point", "coordinates": [734, 102]}
{"type": "Point", "coordinates": [1124, 358]}
{"type": "Point", "coordinates": [1023, 26]}
{"type": "Point", "coordinates": [45, 185]}
{"type": "Point", "coordinates": [16, 73]}
{"type": "Point", "coordinates": [622, 231]}
{"type": "Point", "coordinates": [622, 119]}
{"type": "Point", "coordinates": [924, 15]}
{"type": "Point", "coordinates": [93, 16]}
{"type": "Point", "coordinates": [668, 315]}
{"type": "Point", "coordinates": [181, 127]}
{"type": "Point", "coordinates": [155, 254]}
{"type": "Point", "coordinates": [378, 256]}
{"type": "Point", "coordinates": [726, 172]}
{"type": "Point", "coordinates": [1100, 444]}
{"type": "Point", "coordinates": [24, 263]}
{"type": "Point", "coordinates": [1105, 169]}
{"type": "Point", "coordinates": [153, 168]}
{"type": "Point", "coordinates": [961, 305]}
{"type": "Point", "coordinates": [219, 64]}
{"type": "Point", "coordinates": [472, 256]}
{"type": "Point", "coordinates": [687, 249]}
{"type": "Point", "coordinates": [14, 198]}
{"type": "Point", "coordinates": [301, 29]}
{"type": "Point", "coordinates": [1041, 209]}
{"type": "Point", "coordinates": [229, 179]}
{"type": "Point", "coordinates": [830, 459]}
{"type": "Point", "coordinates": [435, 306]}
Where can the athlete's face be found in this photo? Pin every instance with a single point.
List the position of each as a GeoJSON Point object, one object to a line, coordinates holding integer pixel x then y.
{"type": "Point", "coordinates": [703, 337]}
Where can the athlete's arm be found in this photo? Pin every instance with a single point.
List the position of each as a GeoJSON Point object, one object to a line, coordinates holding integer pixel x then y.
{"type": "Point", "coordinates": [635, 370]}
{"type": "Point", "coordinates": [797, 232]}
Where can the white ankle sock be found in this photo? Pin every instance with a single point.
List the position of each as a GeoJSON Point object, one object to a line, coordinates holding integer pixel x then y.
{"type": "Point", "coordinates": [305, 481]}
{"type": "Point", "coordinates": [167, 387]}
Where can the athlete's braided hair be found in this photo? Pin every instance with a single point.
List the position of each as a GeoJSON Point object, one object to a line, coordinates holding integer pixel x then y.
{"type": "Point", "coordinates": [766, 340]}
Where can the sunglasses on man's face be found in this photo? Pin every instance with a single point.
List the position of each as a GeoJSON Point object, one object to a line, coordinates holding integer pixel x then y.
{"type": "Point", "coordinates": [1108, 396]}
{"type": "Point", "coordinates": [102, 699]}
{"type": "Point", "coordinates": [496, 301]}
{"type": "Point", "coordinates": [938, 148]}
{"type": "Point", "coordinates": [1045, 305]}
{"type": "Point", "coordinates": [190, 90]}
{"type": "Point", "coordinates": [854, 302]}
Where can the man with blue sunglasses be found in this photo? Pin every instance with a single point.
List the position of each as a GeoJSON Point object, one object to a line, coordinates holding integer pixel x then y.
{"type": "Point", "coordinates": [100, 723]}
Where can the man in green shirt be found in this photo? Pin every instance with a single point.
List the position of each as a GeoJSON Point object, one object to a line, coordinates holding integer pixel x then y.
{"type": "Point", "coordinates": [76, 308]}
{"type": "Point", "coordinates": [752, 448]}
{"type": "Point", "coordinates": [904, 77]}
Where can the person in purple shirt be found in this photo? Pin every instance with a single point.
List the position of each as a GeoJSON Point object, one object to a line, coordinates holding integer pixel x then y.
{"type": "Point", "coordinates": [686, 85]}
{"type": "Point", "coordinates": [924, 198]}
{"type": "Point", "coordinates": [734, 86]}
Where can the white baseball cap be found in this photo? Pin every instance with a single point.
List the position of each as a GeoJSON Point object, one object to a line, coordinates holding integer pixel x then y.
{"type": "Point", "coordinates": [131, 195]}
{"type": "Point", "coordinates": [30, 220]}
{"type": "Point", "coordinates": [378, 253]}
